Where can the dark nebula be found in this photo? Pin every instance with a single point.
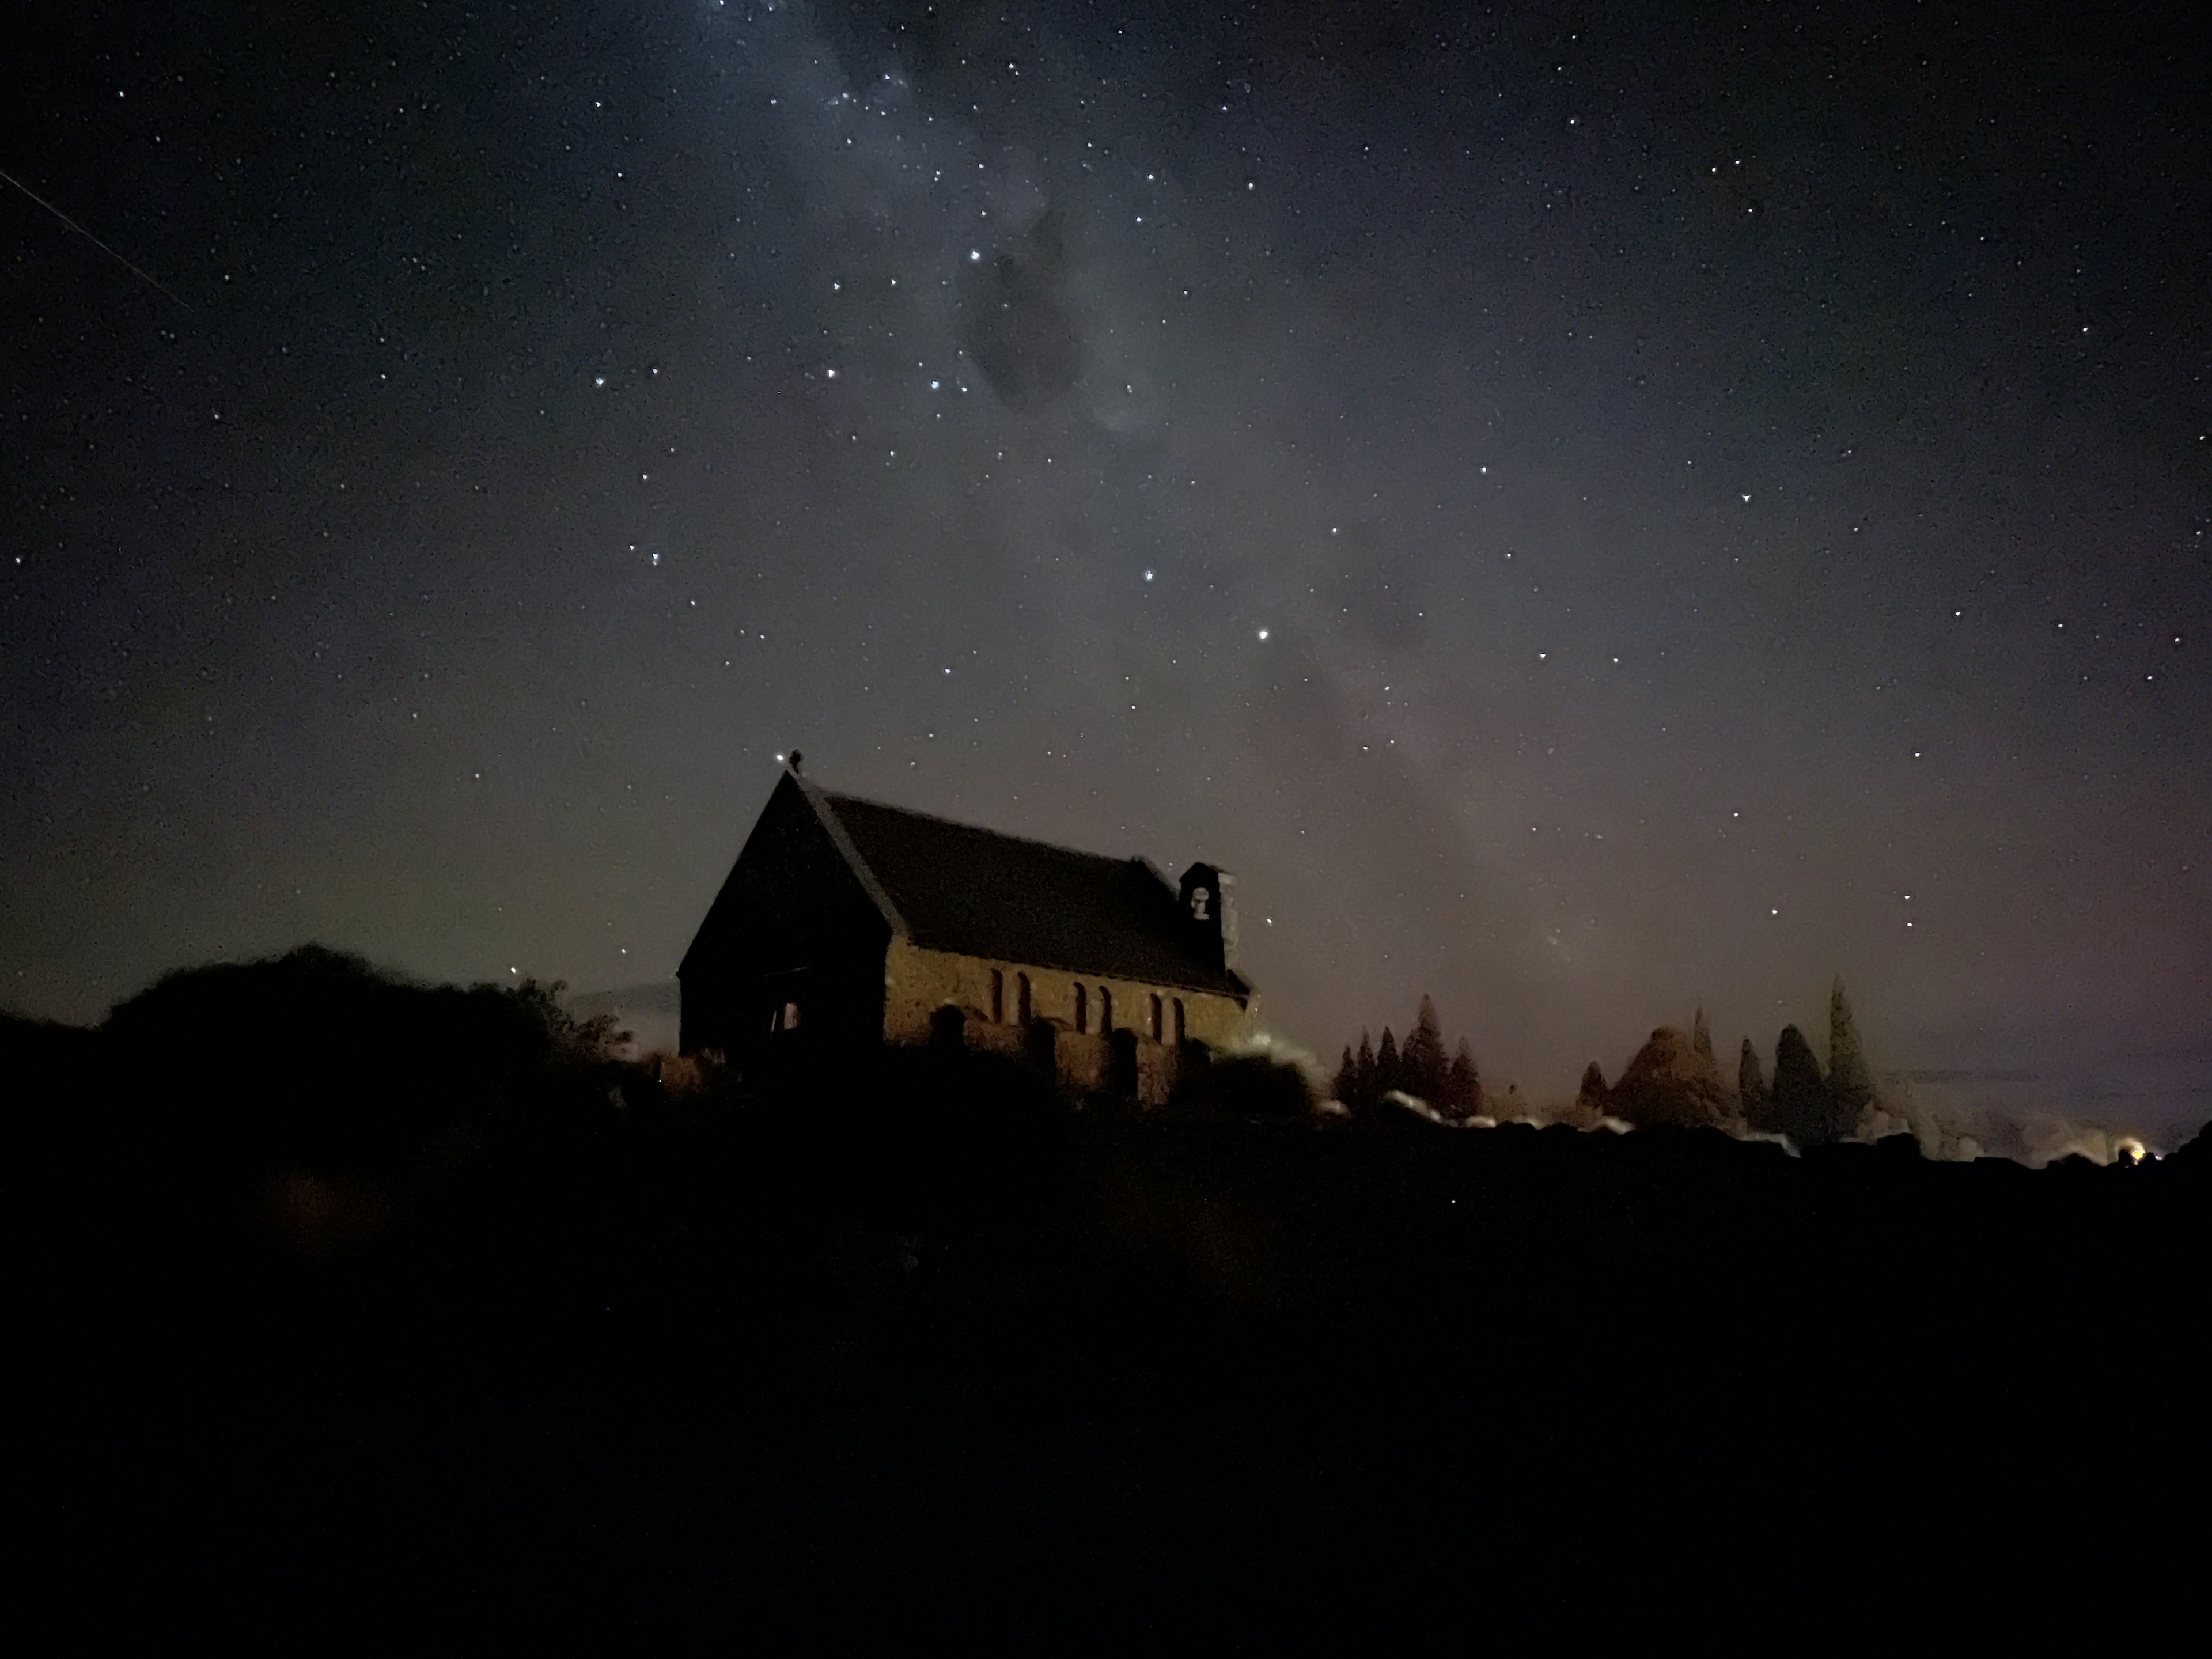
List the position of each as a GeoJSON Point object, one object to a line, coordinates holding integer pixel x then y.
{"type": "Point", "coordinates": [1022, 330]}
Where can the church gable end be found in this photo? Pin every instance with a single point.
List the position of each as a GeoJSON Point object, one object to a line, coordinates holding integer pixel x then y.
{"type": "Point", "coordinates": [793, 943]}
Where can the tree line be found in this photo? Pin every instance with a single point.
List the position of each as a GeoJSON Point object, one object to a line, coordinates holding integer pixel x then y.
{"type": "Point", "coordinates": [1674, 1079]}
{"type": "Point", "coordinates": [1451, 1086]}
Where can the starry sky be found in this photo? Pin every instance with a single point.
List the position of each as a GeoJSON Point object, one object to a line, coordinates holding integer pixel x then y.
{"type": "Point", "coordinates": [1588, 510]}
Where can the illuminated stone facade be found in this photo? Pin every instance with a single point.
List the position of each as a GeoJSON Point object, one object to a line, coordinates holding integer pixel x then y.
{"type": "Point", "coordinates": [920, 984]}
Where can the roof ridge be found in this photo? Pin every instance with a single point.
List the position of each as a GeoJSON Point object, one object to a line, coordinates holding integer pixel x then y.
{"type": "Point", "coordinates": [984, 829]}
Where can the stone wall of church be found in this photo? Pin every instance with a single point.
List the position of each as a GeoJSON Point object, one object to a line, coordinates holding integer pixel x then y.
{"type": "Point", "coordinates": [918, 982]}
{"type": "Point", "coordinates": [1083, 1058]}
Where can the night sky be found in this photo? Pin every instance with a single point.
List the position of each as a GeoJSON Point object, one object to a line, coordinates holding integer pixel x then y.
{"type": "Point", "coordinates": [1588, 510]}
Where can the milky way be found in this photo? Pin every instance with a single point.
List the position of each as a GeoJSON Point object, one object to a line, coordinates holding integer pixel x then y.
{"type": "Point", "coordinates": [1587, 514]}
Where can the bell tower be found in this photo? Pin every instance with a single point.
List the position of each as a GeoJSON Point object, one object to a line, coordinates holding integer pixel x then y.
{"type": "Point", "coordinates": [1209, 906]}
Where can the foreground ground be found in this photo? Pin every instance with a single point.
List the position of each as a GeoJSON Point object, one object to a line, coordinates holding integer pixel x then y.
{"type": "Point", "coordinates": [922, 1346]}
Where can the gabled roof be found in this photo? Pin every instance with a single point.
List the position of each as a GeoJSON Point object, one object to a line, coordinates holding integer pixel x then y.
{"type": "Point", "coordinates": [975, 892]}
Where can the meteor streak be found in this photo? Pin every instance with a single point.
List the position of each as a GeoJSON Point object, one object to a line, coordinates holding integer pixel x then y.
{"type": "Point", "coordinates": [92, 239]}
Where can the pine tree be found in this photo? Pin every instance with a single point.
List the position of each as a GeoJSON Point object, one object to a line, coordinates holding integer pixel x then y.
{"type": "Point", "coordinates": [1364, 1094]}
{"type": "Point", "coordinates": [1463, 1084]}
{"type": "Point", "coordinates": [1590, 1099]}
{"type": "Point", "coordinates": [1851, 1090]}
{"type": "Point", "coordinates": [1424, 1063]}
{"type": "Point", "coordinates": [1347, 1078]}
{"type": "Point", "coordinates": [1750, 1083]}
{"type": "Point", "coordinates": [1799, 1105]}
{"type": "Point", "coordinates": [1389, 1070]}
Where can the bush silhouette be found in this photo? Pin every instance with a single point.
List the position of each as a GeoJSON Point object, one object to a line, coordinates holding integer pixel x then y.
{"type": "Point", "coordinates": [1243, 1085]}
{"type": "Point", "coordinates": [330, 1086]}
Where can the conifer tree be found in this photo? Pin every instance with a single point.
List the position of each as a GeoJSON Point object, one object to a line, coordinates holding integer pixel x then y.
{"type": "Point", "coordinates": [1799, 1105]}
{"type": "Point", "coordinates": [1347, 1078]}
{"type": "Point", "coordinates": [1463, 1084]}
{"type": "Point", "coordinates": [1364, 1091]}
{"type": "Point", "coordinates": [1590, 1099]}
{"type": "Point", "coordinates": [1851, 1090]}
{"type": "Point", "coordinates": [1389, 1070]}
{"type": "Point", "coordinates": [1424, 1063]}
{"type": "Point", "coordinates": [1750, 1083]}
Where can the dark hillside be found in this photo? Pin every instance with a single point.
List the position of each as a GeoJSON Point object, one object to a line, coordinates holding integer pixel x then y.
{"type": "Point", "coordinates": [393, 1313]}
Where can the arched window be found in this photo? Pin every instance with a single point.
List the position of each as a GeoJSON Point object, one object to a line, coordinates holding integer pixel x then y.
{"type": "Point", "coordinates": [997, 996]}
{"type": "Point", "coordinates": [1022, 998]}
{"type": "Point", "coordinates": [1105, 1009]}
{"type": "Point", "coordinates": [1182, 1036]}
{"type": "Point", "coordinates": [1082, 1008]}
{"type": "Point", "coordinates": [1156, 1016]}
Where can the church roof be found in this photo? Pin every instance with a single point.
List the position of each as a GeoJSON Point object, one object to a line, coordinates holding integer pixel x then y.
{"type": "Point", "coordinates": [976, 892]}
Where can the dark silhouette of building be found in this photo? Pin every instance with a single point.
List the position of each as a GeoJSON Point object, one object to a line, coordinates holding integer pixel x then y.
{"type": "Point", "coordinates": [848, 922]}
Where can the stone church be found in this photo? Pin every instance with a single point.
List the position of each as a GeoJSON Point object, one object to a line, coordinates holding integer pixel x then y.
{"type": "Point", "coordinates": [847, 921]}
